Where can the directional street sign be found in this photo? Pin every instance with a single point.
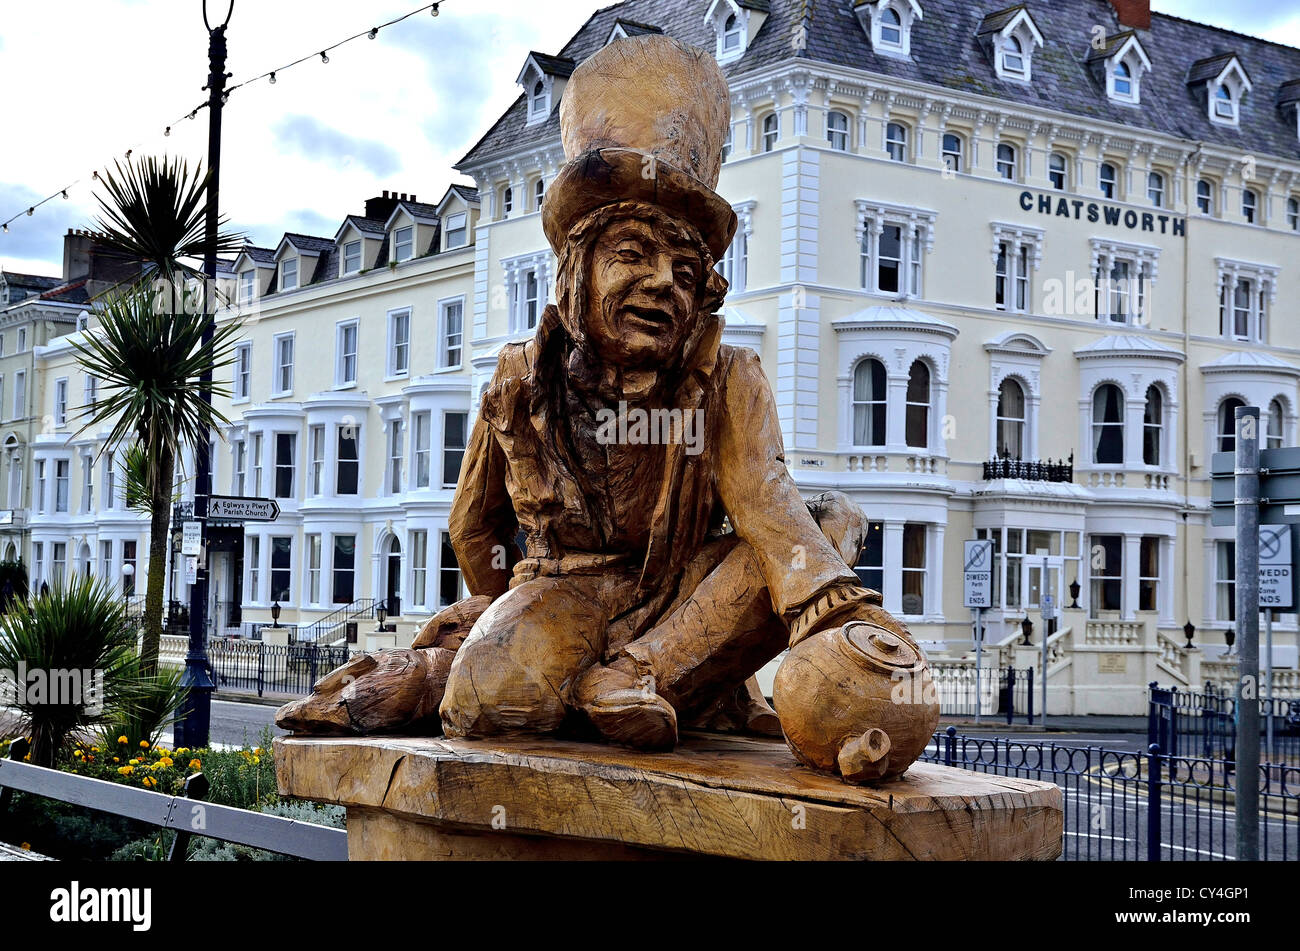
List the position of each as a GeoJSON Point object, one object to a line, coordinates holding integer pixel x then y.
{"type": "Point", "coordinates": [978, 576]}
{"type": "Point", "coordinates": [1276, 568]}
{"type": "Point", "coordinates": [1279, 487]}
{"type": "Point", "coordinates": [242, 508]}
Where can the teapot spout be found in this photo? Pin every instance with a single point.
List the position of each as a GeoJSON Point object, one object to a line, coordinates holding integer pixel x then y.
{"type": "Point", "coordinates": [865, 757]}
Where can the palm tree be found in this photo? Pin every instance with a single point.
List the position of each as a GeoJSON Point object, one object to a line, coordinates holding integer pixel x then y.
{"type": "Point", "coordinates": [148, 348]}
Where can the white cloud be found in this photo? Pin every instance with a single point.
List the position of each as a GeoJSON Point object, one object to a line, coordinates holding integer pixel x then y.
{"type": "Point", "coordinates": [393, 113]}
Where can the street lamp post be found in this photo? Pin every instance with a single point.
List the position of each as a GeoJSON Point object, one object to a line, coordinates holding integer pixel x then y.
{"type": "Point", "coordinates": [192, 730]}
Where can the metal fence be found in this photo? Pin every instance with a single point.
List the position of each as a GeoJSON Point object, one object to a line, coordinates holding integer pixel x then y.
{"type": "Point", "coordinates": [1008, 692]}
{"type": "Point", "coordinates": [1203, 723]}
{"type": "Point", "coordinates": [1126, 806]}
{"type": "Point", "coordinates": [289, 670]}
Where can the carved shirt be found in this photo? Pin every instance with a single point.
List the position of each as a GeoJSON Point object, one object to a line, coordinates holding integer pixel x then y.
{"type": "Point", "coordinates": [645, 507]}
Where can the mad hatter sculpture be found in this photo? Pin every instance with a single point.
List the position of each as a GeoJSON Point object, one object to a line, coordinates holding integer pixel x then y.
{"type": "Point", "coordinates": [668, 553]}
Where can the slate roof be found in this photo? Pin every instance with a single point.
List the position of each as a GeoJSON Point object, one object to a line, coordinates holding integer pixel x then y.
{"type": "Point", "coordinates": [31, 282]}
{"type": "Point", "coordinates": [1288, 92]}
{"type": "Point", "coordinates": [1206, 69]}
{"type": "Point", "coordinates": [466, 193]}
{"type": "Point", "coordinates": [553, 65]}
{"type": "Point", "coordinates": [74, 292]}
{"type": "Point", "coordinates": [371, 226]}
{"type": "Point", "coordinates": [1132, 344]}
{"type": "Point", "coordinates": [309, 242]}
{"type": "Point", "coordinates": [260, 255]}
{"type": "Point", "coordinates": [631, 28]}
{"type": "Point", "coordinates": [1112, 45]}
{"type": "Point", "coordinates": [947, 54]}
{"type": "Point", "coordinates": [996, 21]}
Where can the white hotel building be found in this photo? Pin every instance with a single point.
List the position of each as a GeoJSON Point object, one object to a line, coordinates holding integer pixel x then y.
{"type": "Point", "coordinates": [928, 191]}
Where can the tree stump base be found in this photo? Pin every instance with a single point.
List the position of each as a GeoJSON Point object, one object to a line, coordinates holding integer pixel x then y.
{"type": "Point", "coordinates": [715, 796]}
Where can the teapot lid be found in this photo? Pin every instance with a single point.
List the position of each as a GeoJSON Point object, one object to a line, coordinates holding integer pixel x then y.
{"type": "Point", "coordinates": [881, 647]}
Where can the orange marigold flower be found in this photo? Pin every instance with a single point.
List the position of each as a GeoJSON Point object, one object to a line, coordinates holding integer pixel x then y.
{"type": "Point", "coordinates": [122, 739]}
{"type": "Point", "coordinates": [195, 764]}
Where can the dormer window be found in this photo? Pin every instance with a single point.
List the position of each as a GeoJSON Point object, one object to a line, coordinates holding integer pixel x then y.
{"type": "Point", "coordinates": [289, 274]}
{"type": "Point", "coordinates": [352, 257]}
{"type": "Point", "coordinates": [247, 284]}
{"type": "Point", "coordinates": [1223, 82]}
{"type": "Point", "coordinates": [1119, 64]}
{"type": "Point", "coordinates": [1225, 106]}
{"type": "Point", "coordinates": [1009, 38]}
{"type": "Point", "coordinates": [538, 105]}
{"type": "Point", "coordinates": [732, 34]}
{"type": "Point", "coordinates": [1013, 56]}
{"type": "Point", "coordinates": [891, 28]}
{"type": "Point", "coordinates": [457, 230]}
{"type": "Point", "coordinates": [543, 79]}
{"type": "Point", "coordinates": [734, 23]}
{"type": "Point", "coordinates": [889, 24]}
{"type": "Point", "coordinates": [1123, 80]}
{"type": "Point", "coordinates": [403, 243]}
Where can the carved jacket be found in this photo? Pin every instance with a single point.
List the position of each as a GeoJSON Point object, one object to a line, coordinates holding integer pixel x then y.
{"type": "Point", "coordinates": [533, 466]}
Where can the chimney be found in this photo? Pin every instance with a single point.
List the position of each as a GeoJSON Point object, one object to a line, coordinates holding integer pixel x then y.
{"type": "Point", "coordinates": [1134, 14]}
{"type": "Point", "coordinates": [380, 208]}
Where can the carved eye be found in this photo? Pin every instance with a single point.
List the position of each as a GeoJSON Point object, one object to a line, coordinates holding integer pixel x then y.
{"type": "Point", "coordinates": [685, 272]}
{"type": "Point", "coordinates": [629, 253]}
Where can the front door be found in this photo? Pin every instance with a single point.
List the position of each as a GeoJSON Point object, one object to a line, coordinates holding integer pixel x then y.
{"type": "Point", "coordinates": [394, 587]}
{"type": "Point", "coordinates": [1034, 587]}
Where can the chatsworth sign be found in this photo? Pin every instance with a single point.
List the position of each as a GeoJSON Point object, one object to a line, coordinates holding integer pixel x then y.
{"type": "Point", "coordinates": [1096, 212]}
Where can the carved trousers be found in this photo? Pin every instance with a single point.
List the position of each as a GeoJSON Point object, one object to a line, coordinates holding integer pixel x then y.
{"type": "Point", "coordinates": [516, 671]}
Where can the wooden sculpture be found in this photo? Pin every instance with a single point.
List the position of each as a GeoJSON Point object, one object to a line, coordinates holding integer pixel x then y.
{"type": "Point", "coordinates": [669, 555]}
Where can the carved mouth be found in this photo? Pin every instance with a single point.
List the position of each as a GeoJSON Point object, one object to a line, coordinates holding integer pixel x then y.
{"type": "Point", "coordinates": [652, 318]}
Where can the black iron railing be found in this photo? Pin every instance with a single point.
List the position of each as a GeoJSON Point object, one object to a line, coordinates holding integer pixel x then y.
{"type": "Point", "coordinates": [1004, 467]}
{"type": "Point", "coordinates": [1132, 806]}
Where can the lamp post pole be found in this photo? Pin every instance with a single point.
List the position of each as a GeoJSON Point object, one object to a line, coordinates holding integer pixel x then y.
{"type": "Point", "coordinates": [192, 730]}
{"type": "Point", "coordinates": [1247, 593]}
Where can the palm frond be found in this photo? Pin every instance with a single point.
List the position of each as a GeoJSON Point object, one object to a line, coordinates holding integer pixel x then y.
{"type": "Point", "coordinates": [155, 210]}
{"type": "Point", "coordinates": [148, 365]}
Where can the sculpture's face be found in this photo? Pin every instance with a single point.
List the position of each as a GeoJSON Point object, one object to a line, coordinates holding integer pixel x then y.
{"type": "Point", "coordinates": [642, 300]}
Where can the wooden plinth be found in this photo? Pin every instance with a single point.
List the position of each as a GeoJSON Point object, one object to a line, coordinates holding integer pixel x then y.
{"type": "Point", "coordinates": [715, 796]}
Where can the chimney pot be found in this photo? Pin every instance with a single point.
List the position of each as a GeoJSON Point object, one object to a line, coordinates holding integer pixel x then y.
{"type": "Point", "coordinates": [385, 192]}
{"type": "Point", "coordinates": [1134, 14]}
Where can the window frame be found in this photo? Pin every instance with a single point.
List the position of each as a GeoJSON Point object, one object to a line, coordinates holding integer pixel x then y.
{"type": "Point", "coordinates": [399, 241]}
{"type": "Point", "coordinates": [448, 450]}
{"type": "Point", "coordinates": [349, 248]}
{"type": "Point", "coordinates": [399, 351]}
{"type": "Point", "coordinates": [284, 274]}
{"type": "Point", "coordinates": [281, 372]}
{"type": "Point", "coordinates": [1004, 165]}
{"type": "Point", "coordinates": [241, 383]}
{"type": "Point", "coordinates": [341, 355]}
{"type": "Point", "coordinates": [445, 335]}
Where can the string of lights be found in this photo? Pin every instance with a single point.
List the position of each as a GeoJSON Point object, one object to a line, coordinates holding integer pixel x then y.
{"type": "Point", "coordinates": [269, 75]}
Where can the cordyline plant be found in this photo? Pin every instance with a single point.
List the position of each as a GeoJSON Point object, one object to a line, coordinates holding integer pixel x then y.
{"type": "Point", "coordinates": [77, 644]}
{"type": "Point", "coordinates": [147, 349]}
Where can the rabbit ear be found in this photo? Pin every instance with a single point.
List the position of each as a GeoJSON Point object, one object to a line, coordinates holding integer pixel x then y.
{"type": "Point", "coordinates": [865, 757]}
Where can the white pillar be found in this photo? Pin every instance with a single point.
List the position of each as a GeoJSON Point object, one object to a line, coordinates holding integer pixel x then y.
{"type": "Point", "coordinates": [893, 568]}
{"type": "Point", "coordinates": [1129, 576]}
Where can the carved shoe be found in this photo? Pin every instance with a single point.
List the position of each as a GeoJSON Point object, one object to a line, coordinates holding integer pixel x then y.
{"type": "Point", "coordinates": [626, 710]}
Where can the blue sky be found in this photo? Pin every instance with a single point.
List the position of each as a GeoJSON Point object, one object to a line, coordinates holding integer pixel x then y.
{"type": "Point", "coordinates": [393, 113]}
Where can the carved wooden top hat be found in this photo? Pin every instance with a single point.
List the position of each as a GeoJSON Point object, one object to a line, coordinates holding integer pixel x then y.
{"type": "Point", "coordinates": [646, 119]}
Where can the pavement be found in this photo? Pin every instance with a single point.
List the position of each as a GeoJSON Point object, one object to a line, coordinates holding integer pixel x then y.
{"type": "Point", "coordinates": [1099, 723]}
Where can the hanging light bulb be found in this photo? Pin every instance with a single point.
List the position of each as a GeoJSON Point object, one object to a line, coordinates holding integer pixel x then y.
{"type": "Point", "coordinates": [6, 227]}
{"type": "Point", "coordinates": [374, 31]}
{"type": "Point", "coordinates": [95, 174]}
{"type": "Point", "coordinates": [434, 10]}
{"type": "Point", "coordinates": [272, 77]}
{"type": "Point", "coordinates": [65, 194]}
{"type": "Point", "coordinates": [323, 57]}
{"type": "Point", "coordinates": [30, 210]}
{"type": "Point", "coordinates": [167, 131]}
{"type": "Point", "coordinates": [128, 153]}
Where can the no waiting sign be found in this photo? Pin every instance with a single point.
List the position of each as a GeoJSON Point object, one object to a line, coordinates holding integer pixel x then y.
{"type": "Point", "coordinates": [1276, 568]}
{"type": "Point", "coordinates": [978, 573]}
